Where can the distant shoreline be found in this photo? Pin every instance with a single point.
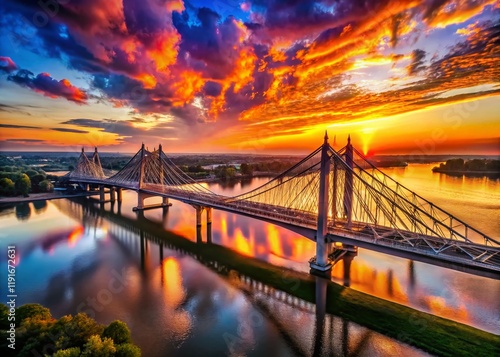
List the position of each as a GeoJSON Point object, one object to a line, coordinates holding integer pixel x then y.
{"type": "Point", "coordinates": [464, 172]}
{"type": "Point", "coordinates": [44, 196]}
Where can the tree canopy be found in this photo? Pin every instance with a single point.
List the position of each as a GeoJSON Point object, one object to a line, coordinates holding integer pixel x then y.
{"type": "Point", "coordinates": [38, 333]}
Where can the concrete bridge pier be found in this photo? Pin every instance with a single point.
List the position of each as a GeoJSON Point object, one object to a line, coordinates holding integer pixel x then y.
{"type": "Point", "coordinates": [209, 224]}
{"type": "Point", "coordinates": [119, 196]}
{"type": "Point", "coordinates": [347, 260]}
{"type": "Point", "coordinates": [112, 196]}
{"type": "Point", "coordinates": [102, 197]}
{"type": "Point", "coordinates": [199, 211]}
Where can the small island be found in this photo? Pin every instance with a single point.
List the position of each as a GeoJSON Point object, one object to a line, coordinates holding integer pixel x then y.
{"type": "Point", "coordinates": [484, 167]}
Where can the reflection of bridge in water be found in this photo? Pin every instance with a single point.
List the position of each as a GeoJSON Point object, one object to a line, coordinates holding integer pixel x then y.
{"type": "Point", "coordinates": [135, 237]}
{"type": "Point", "coordinates": [336, 198]}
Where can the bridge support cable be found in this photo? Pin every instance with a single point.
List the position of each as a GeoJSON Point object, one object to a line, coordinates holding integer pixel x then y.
{"type": "Point", "coordinates": [385, 214]}
{"type": "Point", "coordinates": [450, 225]}
{"type": "Point", "coordinates": [86, 169]}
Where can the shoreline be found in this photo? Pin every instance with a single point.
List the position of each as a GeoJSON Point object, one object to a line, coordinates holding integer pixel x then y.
{"type": "Point", "coordinates": [463, 172]}
{"type": "Point", "coordinates": [44, 197]}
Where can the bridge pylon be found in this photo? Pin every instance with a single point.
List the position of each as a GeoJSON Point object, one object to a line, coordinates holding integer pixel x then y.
{"type": "Point", "coordinates": [322, 263]}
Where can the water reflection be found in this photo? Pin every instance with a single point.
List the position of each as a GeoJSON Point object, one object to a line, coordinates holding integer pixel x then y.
{"type": "Point", "coordinates": [23, 211]}
{"type": "Point", "coordinates": [40, 206]}
{"type": "Point", "coordinates": [109, 266]}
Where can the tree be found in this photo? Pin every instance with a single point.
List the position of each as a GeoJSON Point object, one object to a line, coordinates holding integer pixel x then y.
{"type": "Point", "coordinates": [118, 332]}
{"type": "Point", "coordinates": [35, 182]}
{"type": "Point", "coordinates": [246, 169]}
{"type": "Point", "coordinates": [38, 333]}
{"type": "Point", "coordinates": [127, 350]}
{"type": "Point", "coordinates": [31, 173]}
{"type": "Point", "coordinates": [46, 186]}
{"type": "Point", "coordinates": [97, 347]}
{"type": "Point", "coordinates": [4, 317]}
{"type": "Point", "coordinates": [68, 352]}
{"type": "Point", "coordinates": [23, 184]}
{"type": "Point", "coordinates": [225, 172]}
{"type": "Point", "coordinates": [34, 311]}
{"type": "Point", "coordinates": [7, 187]}
{"type": "Point", "coordinates": [76, 330]}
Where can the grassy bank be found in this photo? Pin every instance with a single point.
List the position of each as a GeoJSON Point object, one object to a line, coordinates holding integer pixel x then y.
{"type": "Point", "coordinates": [430, 333]}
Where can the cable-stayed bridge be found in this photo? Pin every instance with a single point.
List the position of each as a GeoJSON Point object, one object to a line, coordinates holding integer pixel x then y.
{"type": "Point", "coordinates": [336, 198]}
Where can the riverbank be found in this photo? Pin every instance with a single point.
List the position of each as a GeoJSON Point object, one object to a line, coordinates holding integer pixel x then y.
{"type": "Point", "coordinates": [44, 196]}
{"type": "Point", "coordinates": [430, 333]}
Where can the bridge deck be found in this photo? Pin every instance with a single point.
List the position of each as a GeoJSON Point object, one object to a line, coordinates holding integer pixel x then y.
{"type": "Point", "coordinates": [451, 253]}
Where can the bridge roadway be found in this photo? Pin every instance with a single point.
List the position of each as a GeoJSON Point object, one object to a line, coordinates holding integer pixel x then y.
{"type": "Point", "coordinates": [424, 248]}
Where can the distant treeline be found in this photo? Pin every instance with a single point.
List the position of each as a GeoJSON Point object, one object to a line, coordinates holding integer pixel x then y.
{"type": "Point", "coordinates": [469, 166]}
{"type": "Point", "coordinates": [21, 180]}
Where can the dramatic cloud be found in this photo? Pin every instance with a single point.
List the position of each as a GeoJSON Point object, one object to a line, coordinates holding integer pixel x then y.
{"type": "Point", "coordinates": [417, 62]}
{"type": "Point", "coordinates": [43, 83]}
{"type": "Point", "coordinates": [7, 65]}
{"type": "Point", "coordinates": [273, 67]}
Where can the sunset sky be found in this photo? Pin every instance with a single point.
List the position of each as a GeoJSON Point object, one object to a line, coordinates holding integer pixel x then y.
{"type": "Point", "coordinates": [410, 77]}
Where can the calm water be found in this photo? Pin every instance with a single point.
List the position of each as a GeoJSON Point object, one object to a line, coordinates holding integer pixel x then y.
{"type": "Point", "coordinates": [72, 258]}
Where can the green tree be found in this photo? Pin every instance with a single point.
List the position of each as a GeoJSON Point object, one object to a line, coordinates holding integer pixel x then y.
{"type": "Point", "coordinates": [23, 185]}
{"type": "Point", "coordinates": [31, 173]}
{"type": "Point", "coordinates": [7, 187]}
{"type": "Point", "coordinates": [74, 331]}
{"type": "Point", "coordinates": [118, 331]}
{"type": "Point", "coordinates": [246, 169]}
{"type": "Point", "coordinates": [34, 311]}
{"type": "Point", "coordinates": [35, 182]}
{"type": "Point", "coordinates": [225, 172]}
{"type": "Point", "coordinates": [97, 347]}
{"type": "Point", "coordinates": [4, 317]}
{"type": "Point", "coordinates": [46, 186]}
{"type": "Point", "coordinates": [127, 350]}
{"type": "Point", "coordinates": [68, 352]}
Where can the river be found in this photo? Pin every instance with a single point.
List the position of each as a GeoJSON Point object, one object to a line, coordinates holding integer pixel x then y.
{"type": "Point", "coordinates": [71, 260]}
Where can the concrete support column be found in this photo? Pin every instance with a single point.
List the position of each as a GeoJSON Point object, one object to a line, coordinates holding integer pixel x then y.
{"type": "Point", "coordinates": [209, 214]}
{"type": "Point", "coordinates": [140, 201]}
{"type": "Point", "coordinates": [209, 233]}
{"type": "Point", "coordinates": [199, 211]}
{"type": "Point", "coordinates": [199, 238]}
{"type": "Point", "coordinates": [112, 196]}
{"type": "Point", "coordinates": [101, 194]}
{"type": "Point", "coordinates": [347, 260]}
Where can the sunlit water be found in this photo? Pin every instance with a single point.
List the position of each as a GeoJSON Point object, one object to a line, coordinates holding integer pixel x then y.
{"type": "Point", "coordinates": [73, 261]}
